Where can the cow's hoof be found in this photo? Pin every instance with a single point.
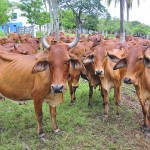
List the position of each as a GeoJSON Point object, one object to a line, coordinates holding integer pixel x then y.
{"type": "Point", "coordinates": [72, 104]}
{"type": "Point", "coordinates": [143, 128]}
{"type": "Point", "coordinates": [118, 117]}
{"type": "Point", "coordinates": [42, 137]}
{"type": "Point", "coordinates": [147, 135]}
{"type": "Point", "coordinates": [105, 117]}
{"type": "Point", "coordinates": [57, 132]}
{"type": "Point", "coordinates": [89, 105]}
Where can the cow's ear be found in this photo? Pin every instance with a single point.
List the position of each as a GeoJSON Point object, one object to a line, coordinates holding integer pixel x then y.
{"type": "Point", "coordinates": [146, 62]}
{"type": "Point", "coordinates": [40, 66]}
{"type": "Point", "coordinates": [88, 59]}
{"type": "Point", "coordinates": [113, 58]}
{"type": "Point", "coordinates": [120, 64]}
{"type": "Point", "coordinates": [77, 64]}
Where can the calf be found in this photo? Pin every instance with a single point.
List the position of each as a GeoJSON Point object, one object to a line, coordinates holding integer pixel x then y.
{"type": "Point", "coordinates": [108, 77]}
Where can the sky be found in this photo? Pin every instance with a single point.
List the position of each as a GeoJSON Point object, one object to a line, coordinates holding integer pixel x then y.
{"type": "Point", "coordinates": [139, 13]}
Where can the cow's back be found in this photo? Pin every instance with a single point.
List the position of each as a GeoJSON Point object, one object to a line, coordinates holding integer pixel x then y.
{"type": "Point", "coordinates": [17, 81]}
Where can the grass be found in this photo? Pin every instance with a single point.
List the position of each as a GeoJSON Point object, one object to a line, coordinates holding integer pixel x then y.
{"type": "Point", "coordinates": [83, 128]}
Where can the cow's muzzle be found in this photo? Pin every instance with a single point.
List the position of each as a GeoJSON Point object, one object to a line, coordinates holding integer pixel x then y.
{"type": "Point", "coordinates": [99, 72]}
{"type": "Point", "coordinates": [58, 88]}
{"type": "Point", "coordinates": [127, 81]}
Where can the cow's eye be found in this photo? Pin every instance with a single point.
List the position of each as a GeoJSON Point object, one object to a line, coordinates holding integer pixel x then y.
{"type": "Point", "coordinates": [140, 59]}
{"type": "Point", "coordinates": [67, 62]}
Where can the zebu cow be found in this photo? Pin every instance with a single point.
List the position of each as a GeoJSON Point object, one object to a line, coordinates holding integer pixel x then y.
{"type": "Point", "coordinates": [137, 63]}
{"type": "Point", "coordinates": [25, 77]}
{"type": "Point", "coordinates": [109, 78]}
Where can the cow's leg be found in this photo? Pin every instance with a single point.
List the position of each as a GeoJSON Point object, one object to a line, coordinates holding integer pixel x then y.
{"type": "Point", "coordinates": [117, 90]}
{"type": "Point", "coordinates": [55, 129]}
{"type": "Point", "coordinates": [90, 95]}
{"type": "Point", "coordinates": [74, 93]}
{"type": "Point", "coordinates": [148, 118]}
{"type": "Point", "coordinates": [102, 94]}
{"type": "Point", "coordinates": [71, 92]}
{"type": "Point", "coordinates": [106, 98]}
{"type": "Point", "coordinates": [147, 123]}
{"type": "Point", "coordinates": [38, 111]}
{"type": "Point", "coordinates": [144, 110]}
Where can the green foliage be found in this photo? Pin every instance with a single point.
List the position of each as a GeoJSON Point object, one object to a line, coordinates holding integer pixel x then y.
{"type": "Point", "coordinates": [4, 8]}
{"type": "Point", "coordinates": [91, 22]}
{"type": "Point", "coordinates": [33, 10]}
{"type": "Point", "coordinates": [68, 19]}
{"type": "Point", "coordinates": [137, 28]}
{"type": "Point", "coordinates": [43, 18]}
{"type": "Point", "coordinates": [39, 34]}
{"type": "Point", "coordinates": [2, 33]}
{"type": "Point", "coordinates": [110, 25]}
{"type": "Point", "coordinates": [82, 7]}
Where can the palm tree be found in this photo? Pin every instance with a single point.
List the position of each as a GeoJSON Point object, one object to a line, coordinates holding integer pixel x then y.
{"type": "Point", "coordinates": [129, 6]}
{"type": "Point", "coordinates": [122, 4]}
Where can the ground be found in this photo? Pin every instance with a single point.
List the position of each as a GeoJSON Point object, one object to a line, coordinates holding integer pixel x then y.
{"type": "Point", "coordinates": [83, 128]}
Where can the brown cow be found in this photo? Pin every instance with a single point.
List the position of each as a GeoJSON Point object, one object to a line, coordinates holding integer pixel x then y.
{"type": "Point", "coordinates": [92, 78]}
{"type": "Point", "coordinates": [23, 37]}
{"type": "Point", "coordinates": [108, 77]}
{"type": "Point", "coordinates": [138, 75]}
{"type": "Point", "coordinates": [25, 77]}
{"type": "Point", "coordinates": [73, 81]}
{"type": "Point", "coordinates": [14, 36]}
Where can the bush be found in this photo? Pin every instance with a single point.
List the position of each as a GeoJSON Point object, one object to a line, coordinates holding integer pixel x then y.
{"type": "Point", "coordinates": [2, 34]}
{"type": "Point", "coordinates": [39, 34]}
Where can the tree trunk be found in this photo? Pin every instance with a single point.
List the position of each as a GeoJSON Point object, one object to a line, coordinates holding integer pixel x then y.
{"type": "Point", "coordinates": [127, 26]}
{"type": "Point", "coordinates": [127, 13]}
{"type": "Point", "coordinates": [122, 33]}
{"type": "Point", "coordinates": [56, 18]}
{"type": "Point", "coordinates": [45, 3]}
{"type": "Point", "coordinates": [51, 16]}
{"type": "Point", "coordinates": [79, 24]}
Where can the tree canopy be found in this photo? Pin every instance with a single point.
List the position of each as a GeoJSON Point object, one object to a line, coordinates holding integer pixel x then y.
{"type": "Point", "coordinates": [91, 22]}
{"type": "Point", "coordinates": [4, 9]}
{"type": "Point", "coordinates": [33, 10]}
{"type": "Point", "coordinates": [68, 19]}
{"type": "Point", "coordinates": [84, 7]}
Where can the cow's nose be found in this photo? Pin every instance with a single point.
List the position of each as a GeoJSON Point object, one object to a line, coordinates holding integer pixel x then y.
{"type": "Point", "coordinates": [57, 88]}
{"type": "Point", "coordinates": [98, 72]}
{"type": "Point", "coordinates": [127, 80]}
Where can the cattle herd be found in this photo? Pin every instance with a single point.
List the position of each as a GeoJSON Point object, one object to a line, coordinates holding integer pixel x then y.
{"type": "Point", "coordinates": [38, 69]}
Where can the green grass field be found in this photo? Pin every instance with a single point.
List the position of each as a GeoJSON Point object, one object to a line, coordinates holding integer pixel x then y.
{"type": "Point", "coordinates": [83, 128]}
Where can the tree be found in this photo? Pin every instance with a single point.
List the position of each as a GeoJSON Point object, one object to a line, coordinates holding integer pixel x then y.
{"type": "Point", "coordinates": [4, 9]}
{"type": "Point", "coordinates": [51, 15]}
{"type": "Point", "coordinates": [110, 25]}
{"type": "Point", "coordinates": [81, 7]}
{"type": "Point", "coordinates": [91, 22]}
{"type": "Point", "coordinates": [122, 4]}
{"type": "Point", "coordinates": [129, 6]}
{"type": "Point", "coordinates": [43, 18]}
{"type": "Point", "coordinates": [55, 4]}
{"type": "Point", "coordinates": [32, 10]}
{"type": "Point", "coordinates": [68, 19]}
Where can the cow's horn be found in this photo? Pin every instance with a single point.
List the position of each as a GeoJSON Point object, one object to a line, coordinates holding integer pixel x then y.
{"type": "Point", "coordinates": [44, 42]}
{"type": "Point", "coordinates": [76, 40]}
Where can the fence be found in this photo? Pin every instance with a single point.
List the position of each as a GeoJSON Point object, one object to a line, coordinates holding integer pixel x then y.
{"type": "Point", "coordinates": [33, 29]}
